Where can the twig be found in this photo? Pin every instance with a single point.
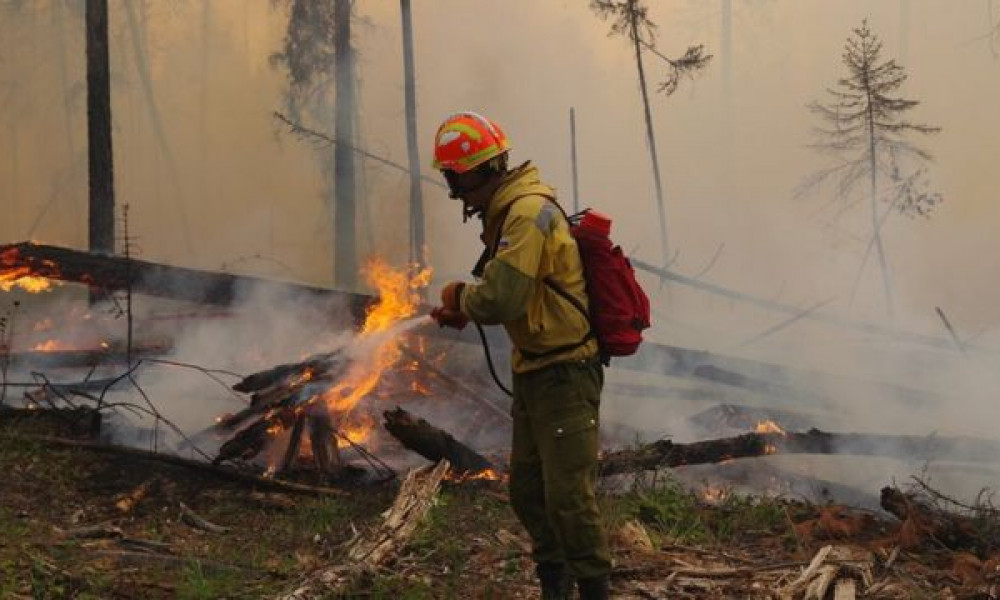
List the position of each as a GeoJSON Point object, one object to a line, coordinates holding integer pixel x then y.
{"type": "Point", "coordinates": [195, 520]}
{"type": "Point", "coordinates": [305, 132]}
{"type": "Point", "coordinates": [210, 373]}
{"type": "Point", "coordinates": [949, 500]}
{"type": "Point", "coordinates": [370, 458]}
{"type": "Point", "coordinates": [711, 263]}
{"type": "Point", "coordinates": [951, 331]}
{"type": "Point", "coordinates": [705, 552]}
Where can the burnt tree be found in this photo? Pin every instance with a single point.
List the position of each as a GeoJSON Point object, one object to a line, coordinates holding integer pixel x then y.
{"type": "Point", "coordinates": [101, 237]}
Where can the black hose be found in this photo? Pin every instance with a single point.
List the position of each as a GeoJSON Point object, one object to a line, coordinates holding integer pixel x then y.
{"type": "Point", "coordinates": [489, 360]}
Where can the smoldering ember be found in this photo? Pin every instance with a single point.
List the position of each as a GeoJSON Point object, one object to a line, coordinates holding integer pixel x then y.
{"type": "Point", "coordinates": [730, 329]}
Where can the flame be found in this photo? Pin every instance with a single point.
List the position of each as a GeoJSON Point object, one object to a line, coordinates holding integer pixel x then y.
{"type": "Point", "coordinates": [51, 346]}
{"type": "Point", "coordinates": [29, 283]}
{"type": "Point", "coordinates": [13, 274]}
{"type": "Point", "coordinates": [399, 297]}
{"type": "Point", "coordinates": [484, 475]}
{"type": "Point", "coordinates": [713, 494]}
{"type": "Point", "coordinates": [770, 449]}
{"type": "Point", "coordinates": [768, 426]}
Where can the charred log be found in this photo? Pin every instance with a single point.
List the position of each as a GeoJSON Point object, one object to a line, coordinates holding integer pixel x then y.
{"type": "Point", "coordinates": [432, 443]}
{"type": "Point", "coordinates": [70, 359]}
{"type": "Point", "coordinates": [324, 446]}
{"type": "Point", "coordinates": [154, 279]}
{"type": "Point", "coordinates": [665, 453]}
{"type": "Point", "coordinates": [285, 374]}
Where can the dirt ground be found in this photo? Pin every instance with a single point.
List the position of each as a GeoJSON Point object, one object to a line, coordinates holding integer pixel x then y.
{"type": "Point", "coordinates": [668, 542]}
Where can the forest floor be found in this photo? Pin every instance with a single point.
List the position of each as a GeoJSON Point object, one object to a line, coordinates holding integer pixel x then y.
{"type": "Point", "coordinates": [668, 541]}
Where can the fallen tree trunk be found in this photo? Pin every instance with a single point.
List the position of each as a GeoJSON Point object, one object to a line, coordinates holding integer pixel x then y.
{"type": "Point", "coordinates": [665, 453]}
{"type": "Point", "coordinates": [367, 553]}
{"type": "Point", "coordinates": [155, 279]}
{"type": "Point", "coordinates": [432, 443]}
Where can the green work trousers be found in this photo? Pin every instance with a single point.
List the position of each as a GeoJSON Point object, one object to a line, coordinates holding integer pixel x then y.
{"type": "Point", "coordinates": [553, 465]}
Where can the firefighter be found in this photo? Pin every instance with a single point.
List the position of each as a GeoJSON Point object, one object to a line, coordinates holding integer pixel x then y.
{"type": "Point", "coordinates": [528, 279]}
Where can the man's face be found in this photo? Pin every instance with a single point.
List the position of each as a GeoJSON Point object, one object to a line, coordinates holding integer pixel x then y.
{"type": "Point", "coordinates": [472, 187]}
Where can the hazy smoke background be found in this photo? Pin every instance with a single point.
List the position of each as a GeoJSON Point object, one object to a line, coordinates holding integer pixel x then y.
{"type": "Point", "coordinates": [247, 196]}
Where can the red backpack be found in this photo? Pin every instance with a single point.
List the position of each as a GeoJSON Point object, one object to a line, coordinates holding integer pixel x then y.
{"type": "Point", "coordinates": [619, 308]}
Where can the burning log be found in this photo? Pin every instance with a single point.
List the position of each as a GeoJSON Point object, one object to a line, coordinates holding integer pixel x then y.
{"type": "Point", "coordinates": [319, 364]}
{"type": "Point", "coordinates": [415, 498]}
{"type": "Point", "coordinates": [324, 445]}
{"type": "Point", "coordinates": [82, 358]}
{"type": "Point", "coordinates": [155, 279]}
{"type": "Point", "coordinates": [432, 443]}
{"type": "Point", "coordinates": [665, 453]}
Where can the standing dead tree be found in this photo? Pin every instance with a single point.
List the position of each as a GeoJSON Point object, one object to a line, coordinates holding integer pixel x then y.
{"type": "Point", "coordinates": [630, 18]}
{"type": "Point", "coordinates": [866, 132]}
{"type": "Point", "coordinates": [319, 57]}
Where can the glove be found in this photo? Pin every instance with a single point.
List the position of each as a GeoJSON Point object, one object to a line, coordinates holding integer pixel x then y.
{"type": "Point", "coordinates": [451, 296]}
{"type": "Point", "coordinates": [450, 318]}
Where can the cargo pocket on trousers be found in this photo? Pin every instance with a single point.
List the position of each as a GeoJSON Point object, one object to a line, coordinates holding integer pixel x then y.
{"type": "Point", "coordinates": [575, 441]}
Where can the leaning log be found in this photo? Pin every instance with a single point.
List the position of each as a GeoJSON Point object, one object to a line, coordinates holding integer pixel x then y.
{"type": "Point", "coordinates": [368, 552]}
{"type": "Point", "coordinates": [432, 443]}
{"type": "Point", "coordinates": [106, 272]}
{"type": "Point", "coordinates": [664, 453]}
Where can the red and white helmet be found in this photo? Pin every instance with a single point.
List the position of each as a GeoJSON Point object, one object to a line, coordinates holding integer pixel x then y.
{"type": "Point", "coordinates": [466, 140]}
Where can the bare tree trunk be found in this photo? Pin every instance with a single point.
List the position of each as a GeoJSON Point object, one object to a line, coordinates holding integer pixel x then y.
{"type": "Point", "coordinates": [572, 154]}
{"type": "Point", "coordinates": [99, 144]}
{"type": "Point", "coordinates": [344, 231]}
{"type": "Point", "coordinates": [650, 139]}
{"type": "Point", "coordinates": [876, 226]}
{"type": "Point", "coordinates": [417, 242]}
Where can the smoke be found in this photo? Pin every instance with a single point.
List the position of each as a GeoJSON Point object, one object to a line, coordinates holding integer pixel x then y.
{"type": "Point", "coordinates": [732, 152]}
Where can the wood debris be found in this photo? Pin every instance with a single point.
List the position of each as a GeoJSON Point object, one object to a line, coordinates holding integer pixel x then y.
{"type": "Point", "coordinates": [415, 498]}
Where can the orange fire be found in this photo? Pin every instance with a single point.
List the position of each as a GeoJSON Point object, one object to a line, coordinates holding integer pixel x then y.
{"type": "Point", "coordinates": [398, 299]}
{"type": "Point", "coordinates": [484, 475]}
{"type": "Point", "coordinates": [713, 494]}
{"type": "Point", "coordinates": [51, 346]}
{"type": "Point", "coordinates": [16, 275]}
{"type": "Point", "coordinates": [768, 426]}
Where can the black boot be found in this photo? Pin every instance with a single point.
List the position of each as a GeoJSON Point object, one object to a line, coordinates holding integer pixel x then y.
{"type": "Point", "coordinates": [597, 588]}
{"type": "Point", "coordinates": [555, 580]}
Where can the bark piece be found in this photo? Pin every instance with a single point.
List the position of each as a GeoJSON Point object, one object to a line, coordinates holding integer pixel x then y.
{"type": "Point", "coordinates": [432, 443]}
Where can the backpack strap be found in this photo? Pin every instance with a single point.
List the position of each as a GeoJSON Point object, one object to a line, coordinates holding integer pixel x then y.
{"type": "Point", "coordinates": [490, 251]}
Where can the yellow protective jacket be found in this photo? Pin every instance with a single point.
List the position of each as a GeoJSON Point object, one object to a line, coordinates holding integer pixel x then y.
{"type": "Point", "coordinates": [535, 244]}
